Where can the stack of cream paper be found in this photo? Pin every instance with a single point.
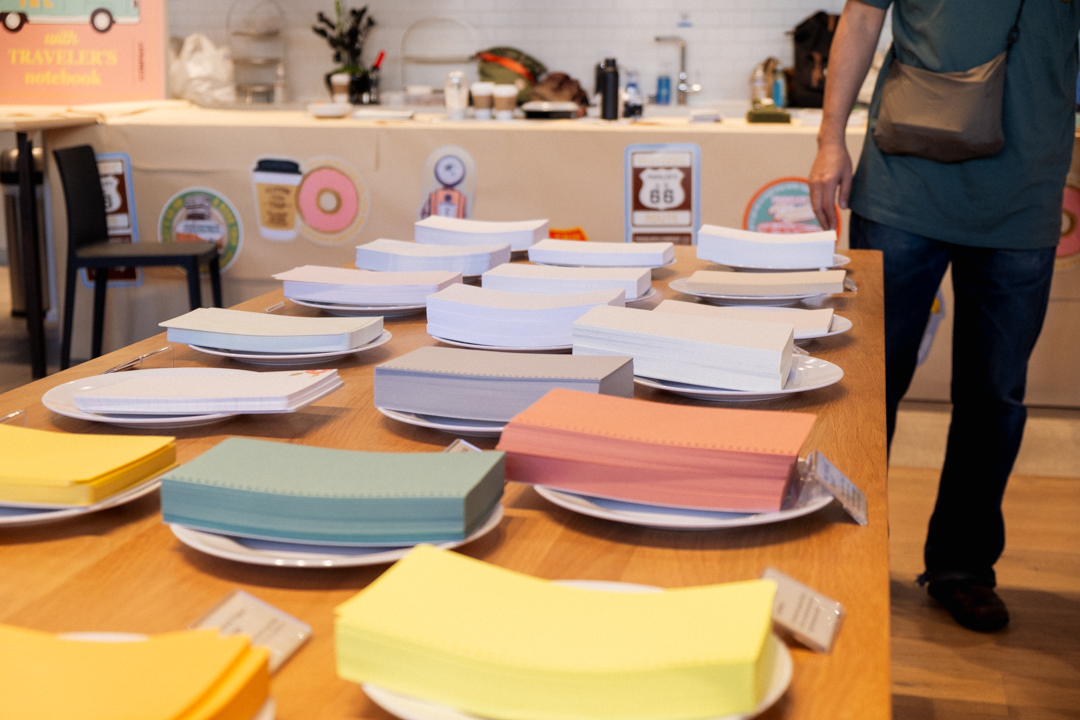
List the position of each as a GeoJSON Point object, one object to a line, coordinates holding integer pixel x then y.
{"type": "Point", "coordinates": [712, 352]}
{"type": "Point", "coordinates": [345, 286]}
{"type": "Point", "coordinates": [229, 391]}
{"type": "Point", "coordinates": [398, 255]}
{"type": "Point", "coordinates": [262, 332]}
{"type": "Point", "coordinates": [440, 230]}
{"type": "Point", "coordinates": [807, 323]}
{"type": "Point", "coordinates": [280, 491]}
{"type": "Point", "coordinates": [774, 251]}
{"type": "Point", "coordinates": [494, 643]}
{"type": "Point", "coordinates": [480, 316]}
{"type": "Point", "coordinates": [765, 284]}
{"type": "Point", "coordinates": [635, 282]}
{"type": "Point", "coordinates": [601, 254]}
{"type": "Point", "coordinates": [493, 386]}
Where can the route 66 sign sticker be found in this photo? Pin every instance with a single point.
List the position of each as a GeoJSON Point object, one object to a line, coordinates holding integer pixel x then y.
{"type": "Point", "coordinates": [663, 193]}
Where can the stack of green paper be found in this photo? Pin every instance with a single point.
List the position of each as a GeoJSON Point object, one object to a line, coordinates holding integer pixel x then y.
{"type": "Point", "coordinates": [254, 488]}
{"type": "Point", "coordinates": [455, 631]}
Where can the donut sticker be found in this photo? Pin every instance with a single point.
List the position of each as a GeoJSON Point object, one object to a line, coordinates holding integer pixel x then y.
{"type": "Point", "coordinates": [1068, 250]}
{"type": "Point", "coordinates": [331, 201]}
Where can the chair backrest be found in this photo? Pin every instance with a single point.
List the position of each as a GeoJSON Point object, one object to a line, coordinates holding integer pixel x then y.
{"type": "Point", "coordinates": [83, 196]}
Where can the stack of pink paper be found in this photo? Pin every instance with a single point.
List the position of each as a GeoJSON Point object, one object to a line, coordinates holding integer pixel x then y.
{"type": "Point", "coordinates": [655, 453]}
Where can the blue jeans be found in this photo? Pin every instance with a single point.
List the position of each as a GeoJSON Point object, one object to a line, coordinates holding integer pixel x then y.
{"type": "Point", "coordinates": [999, 306]}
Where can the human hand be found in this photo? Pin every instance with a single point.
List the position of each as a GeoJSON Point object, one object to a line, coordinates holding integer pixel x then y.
{"type": "Point", "coordinates": [830, 172]}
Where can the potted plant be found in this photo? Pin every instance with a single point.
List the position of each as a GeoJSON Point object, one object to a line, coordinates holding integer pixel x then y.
{"type": "Point", "coordinates": [346, 35]}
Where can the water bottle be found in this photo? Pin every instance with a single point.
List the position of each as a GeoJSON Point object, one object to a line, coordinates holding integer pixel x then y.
{"type": "Point", "coordinates": [609, 91]}
{"type": "Point", "coordinates": [663, 90]}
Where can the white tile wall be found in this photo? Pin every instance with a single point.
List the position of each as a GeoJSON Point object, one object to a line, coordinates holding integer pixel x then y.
{"type": "Point", "coordinates": [726, 38]}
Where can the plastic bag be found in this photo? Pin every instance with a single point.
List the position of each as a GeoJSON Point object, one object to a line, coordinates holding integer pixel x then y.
{"type": "Point", "coordinates": [203, 73]}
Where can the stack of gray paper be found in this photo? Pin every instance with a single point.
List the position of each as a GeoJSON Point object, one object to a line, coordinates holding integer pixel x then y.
{"type": "Point", "coordinates": [601, 254]}
{"type": "Point", "coordinates": [807, 323]}
{"type": "Point", "coordinates": [440, 230]}
{"type": "Point", "coordinates": [479, 316]}
{"type": "Point", "coordinates": [492, 386]}
{"type": "Point", "coordinates": [399, 255]}
{"type": "Point", "coordinates": [765, 284]}
{"type": "Point", "coordinates": [346, 286]}
{"type": "Point", "coordinates": [711, 352]}
{"type": "Point", "coordinates": [635, 282]}
{"type": "Point", "coordinates": [773, 251]}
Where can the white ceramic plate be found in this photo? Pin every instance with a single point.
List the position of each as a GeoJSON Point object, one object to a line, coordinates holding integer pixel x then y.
{"type": "Point", "coordinates": [761, 300]}
{"type": "Point", "coordinates": [506, 348]}
{"type": "Point", "coordinates": [410, 708]}
{"type": "Point", "coordinates": [285, 554]}
{"type": "Point", "coordinates": [838, 326]}
{"type": "Point", "coordinates": [341, 310]}
{"type": "Point", "coordinates": [652, 267]}
{"type": "Point", "coordinates": [257, 358]}
{"type": "Point", "coordinates": [60, 400]}
{"type": "Point", "coordinates": [644, 299]}
{"type": "Point", "coordinates": [811, 499]}
{"type": "Point", "coordinates": [807, 373]}
{"type": "Point", "coordinates": [329, 110]}
{"type": "Point", "coordinates": [455, 426]}
{"type": "Point", "coordinates": [16, 514]}
{"type": "Point", "coordinates": [838, 261]}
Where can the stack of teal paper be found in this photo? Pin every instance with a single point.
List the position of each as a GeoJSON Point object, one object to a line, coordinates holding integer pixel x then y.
{"type": "Point", "coordinates": [278, 491]}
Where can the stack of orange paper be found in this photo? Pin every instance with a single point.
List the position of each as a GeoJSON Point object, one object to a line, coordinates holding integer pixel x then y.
{"type": "Point", "coordinates": [654, 453]}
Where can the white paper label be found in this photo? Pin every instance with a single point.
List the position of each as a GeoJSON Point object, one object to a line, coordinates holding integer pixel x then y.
{"type": "Point", "coordinates": [460, 445]}
{"type": "Point", "coordinates": [809, 616]}
{"type": "Point", "coordinates": [242, 613]}
{"type": "Point", "coordinates": [852, 498]}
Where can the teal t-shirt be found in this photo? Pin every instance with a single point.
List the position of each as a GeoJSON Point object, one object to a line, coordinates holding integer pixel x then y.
{"type": "Point", "coordinates": [1011, 199]}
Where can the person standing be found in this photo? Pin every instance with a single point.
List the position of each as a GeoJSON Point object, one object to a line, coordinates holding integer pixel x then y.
{"type": "Point", "coordinates": [995, 219]}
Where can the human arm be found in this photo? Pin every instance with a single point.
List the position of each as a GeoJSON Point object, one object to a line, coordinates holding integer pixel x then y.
{"type": "Point", "coordinates": [849, 59]}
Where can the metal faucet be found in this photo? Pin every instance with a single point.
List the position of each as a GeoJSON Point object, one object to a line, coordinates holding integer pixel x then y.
{"type": "Point", "coordinates": [684, 88]}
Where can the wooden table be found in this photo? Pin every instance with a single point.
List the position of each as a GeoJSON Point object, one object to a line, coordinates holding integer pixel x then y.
{"type": "Point", "coordinates": [122, 570]}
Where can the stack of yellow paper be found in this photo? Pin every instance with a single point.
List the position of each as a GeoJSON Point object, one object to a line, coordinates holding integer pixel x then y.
{"type": "Point", "coordinates": [47, 468]}
{"type": "Point", "coordinates": [191, 675]}
{"type": "Point", "coordinates": [491, 642]}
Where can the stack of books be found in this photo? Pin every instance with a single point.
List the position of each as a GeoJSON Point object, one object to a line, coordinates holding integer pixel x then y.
{"type": "Point", "coordinates": [711, 352]}
{"type": "Point", "coordinates": [806, 323]}
{"type": "Point", "coordinates": [346, 286]}
{"type": "Point", "coordinates": [440, 230]}
{"type": "Point", "coordinates": [266, 333]}
{"type": "Point", "coordinates": [765, 284]}
{"type": "Point", "coordinates": [491, 386]}
{"type": "Point", "coordinates": [635, 282]}
{"type": "Point", "coordinates": [656, 453]}
{"type": "Point", "coordinates": [480, 316]}
{"type": "Point", "coordinates": [744, 248]}
{"type": "Point", "coordinates": [146, 392]}
{"type": "Point", "coordinates": [601, 254]}
{"type": "Point", "coordinates": [401, 256]}
{"type": "Point", "coordinates": [38, 467]}
{"type": "Point", "coordinates": [494, 643]}
{"type": "Point", "coordinates": [279, 491]}
{"type": "Point", "coordinates": [187, 675]}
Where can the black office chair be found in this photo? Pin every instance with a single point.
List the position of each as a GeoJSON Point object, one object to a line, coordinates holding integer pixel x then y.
{"type": "Point", "coordinates": [89, 246]}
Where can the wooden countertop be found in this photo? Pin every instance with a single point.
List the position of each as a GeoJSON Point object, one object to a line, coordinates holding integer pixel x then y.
{"type": "Point", "coordinates": [121, 570]}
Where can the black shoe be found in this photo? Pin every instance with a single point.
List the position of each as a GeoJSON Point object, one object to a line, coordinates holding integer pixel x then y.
{"type": "Point", "coordinates": [976, 607]}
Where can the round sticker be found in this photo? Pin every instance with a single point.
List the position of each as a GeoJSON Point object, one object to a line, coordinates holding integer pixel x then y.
{"type": "Point", "coordinates": [331, 201]}
{"type": "Point", "coordinates": [783, 206]}
{"type": "Point", "coordinates": [1068, 250]}
{"type": "Point", "coordinates": [202, 215]}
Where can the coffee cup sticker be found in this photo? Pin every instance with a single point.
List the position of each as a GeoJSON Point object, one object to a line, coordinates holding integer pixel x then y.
{"type": "Point", "coordinates": [276, 182]}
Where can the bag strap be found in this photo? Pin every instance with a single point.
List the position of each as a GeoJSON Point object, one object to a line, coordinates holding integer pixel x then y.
{"type": "Point", "coordinates": [1014, 31]}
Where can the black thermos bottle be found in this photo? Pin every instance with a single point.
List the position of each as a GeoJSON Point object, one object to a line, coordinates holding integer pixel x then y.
{"type": "Point", "coordinates": [609, 90]}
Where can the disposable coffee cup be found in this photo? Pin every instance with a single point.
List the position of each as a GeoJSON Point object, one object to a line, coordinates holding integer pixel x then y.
{"type": "Point", "coordinates": [276, 183]}
{"type": "Point", "coordinates": [340, 84]}
{"type": "Point", "coordinates": [505, 100]}
{"type": "Point", "coordinates": [482, 99]}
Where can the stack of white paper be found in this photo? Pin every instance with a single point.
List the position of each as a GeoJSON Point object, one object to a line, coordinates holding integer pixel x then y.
{"type": "Point", "coordinates": [398, 255]}
{"type": "Point", "coordinates": [346, 286]}
{"type": "Point", "coordinates": [750, 284]}
{"type": "Point", "coordinates": [601, 254]}
{"type": "Point", "coordinates": [480, 316]}
{"type": "Point", "coordinates": [238, 391]}
{"type": "Point", "coordinates": [261, 332]}
{"type": "Point", "coordinates": [807, 323]}
{"type": "Point", "coordinates": [492, 386]}
{"type": "Point", "coordinates": [440, 230]}
{"type": "Point", "coordinates": [773, 251]}
{"type": "Point", "coordinates": [731, 354]}
{"type": "Point", "coordinates": [635, 282]}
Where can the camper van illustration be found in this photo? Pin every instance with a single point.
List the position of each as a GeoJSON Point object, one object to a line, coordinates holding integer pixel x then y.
{"type": "Point", "coordinates": [101, 14]}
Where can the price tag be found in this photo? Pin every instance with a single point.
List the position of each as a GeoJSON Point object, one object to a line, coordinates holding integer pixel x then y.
{"type": "Point", "coordinates": [852, 498]}
{"type": "Point", "coordinates": [810, 617]}
{"type": "Point", "coordinates": [242, 613]}
{"type": "Point", "coordinates": [663, 193]}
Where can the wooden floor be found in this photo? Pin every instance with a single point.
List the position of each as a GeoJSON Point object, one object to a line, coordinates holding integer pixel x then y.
{"type": "Point", "coordinates": [1031, 670]}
